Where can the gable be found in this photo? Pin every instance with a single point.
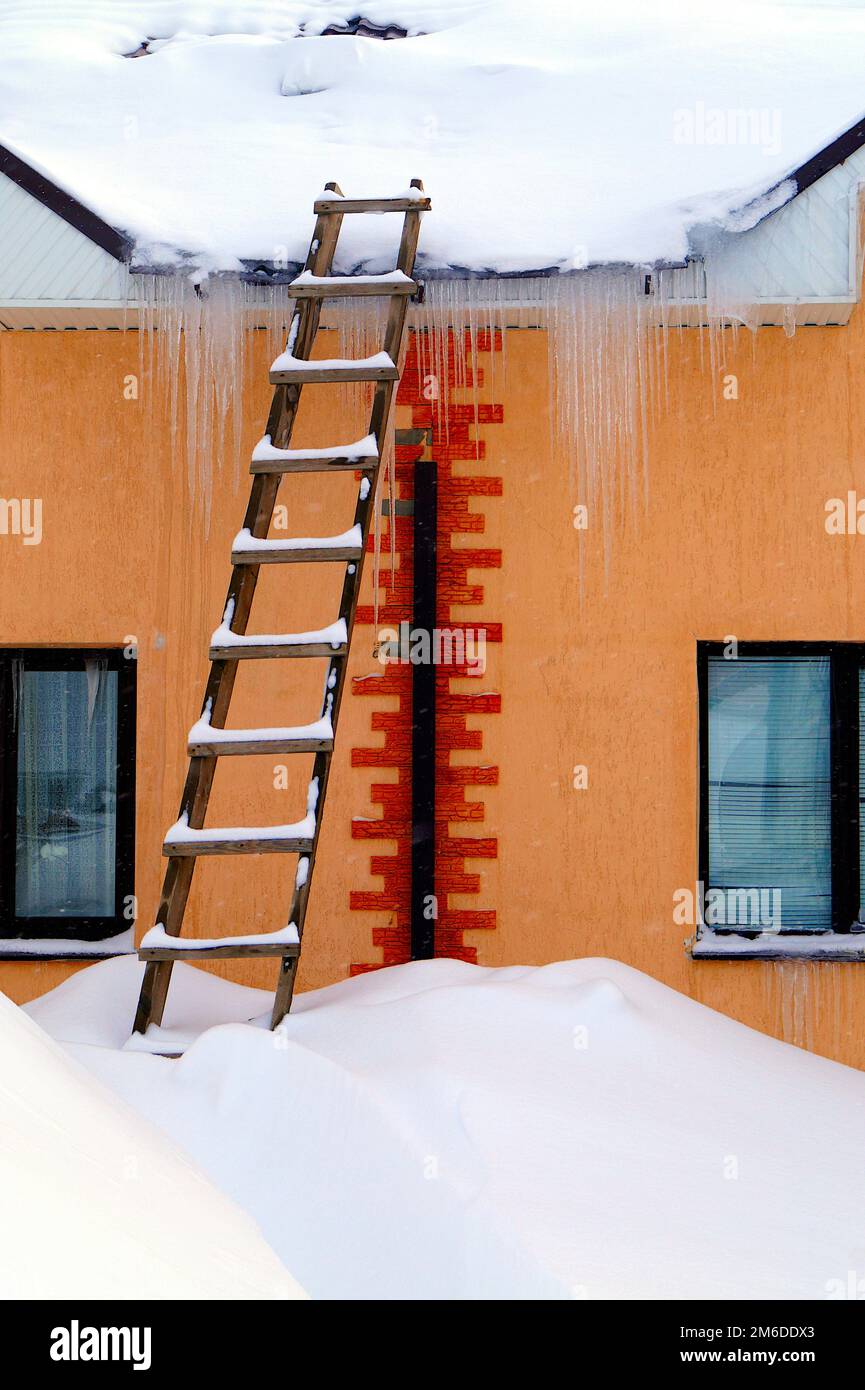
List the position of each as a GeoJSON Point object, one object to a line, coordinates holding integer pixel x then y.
{"type": "Point", "coordinates": [49, 269]}
{"type": "Point", "coordinates": [806, 254]}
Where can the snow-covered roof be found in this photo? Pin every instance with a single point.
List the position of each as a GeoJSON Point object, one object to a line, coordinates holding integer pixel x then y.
{"type": "Point", "coordinates": [549, 133]}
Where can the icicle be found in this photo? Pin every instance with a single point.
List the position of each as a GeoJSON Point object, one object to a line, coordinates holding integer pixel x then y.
{"type": "Point", "coordinates": [93, 672]}
{"type": "Point", "coordinates": [200, 337]}
{"type": "Point", "coordinates": [808, 1003]}
{"type": "Point", "coordinates": [607, 335]}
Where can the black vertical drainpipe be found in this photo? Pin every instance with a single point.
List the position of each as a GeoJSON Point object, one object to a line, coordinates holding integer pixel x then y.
{"type": "Point", "coordinates": [423, 734]}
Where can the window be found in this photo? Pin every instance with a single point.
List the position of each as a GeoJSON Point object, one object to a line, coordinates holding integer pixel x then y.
{"type": "Point", "coordinates": [782, 778]}
{"type": "Point", "coordinates": [67, 796]}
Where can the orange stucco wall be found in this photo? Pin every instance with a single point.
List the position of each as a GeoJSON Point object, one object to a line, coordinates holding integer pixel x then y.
{"type": "Point", "coordinates": [730, 541]}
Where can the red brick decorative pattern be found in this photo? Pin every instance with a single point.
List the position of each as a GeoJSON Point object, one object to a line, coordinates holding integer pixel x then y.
{"type": "Point", "coordinates": [451, 432]}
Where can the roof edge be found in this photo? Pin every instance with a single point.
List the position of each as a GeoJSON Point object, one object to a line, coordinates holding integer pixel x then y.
{"type": "Point", "coordinates": [809, 172]}
{"type": "Point", "coordinates": [833, 154]}
{"type": "Point", "coordinates": [40, 187]}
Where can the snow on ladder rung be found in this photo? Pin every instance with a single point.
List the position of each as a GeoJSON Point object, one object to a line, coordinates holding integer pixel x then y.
{"type": "Point", "coordinates": [362, 454]}
{"type": "Point", "coordinates": [207, 741]}
{"type": "Point", "coordinates": [309, 286]}
{"type": "Point", "coordinates": [226, 645]}
{"type": "Point", "coordinates": [288, 369]}
{"type": "Point", "coordinates": [253, 550]}
{"type": "Point", "coordinates": [156, 944]}
{"type": "Point", "coordinates": [183, 842]}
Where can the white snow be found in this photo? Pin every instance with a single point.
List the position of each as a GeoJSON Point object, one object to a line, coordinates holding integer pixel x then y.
{"type": "Point", "coordinates": [182, 833]}
{"type": "Point", "coordinates": [204, 732]}
{"type": "Point", "coordinates": [60, 946]}
{"type": "Point", "coordinates": [245, 540]}
{"type": "Point", "coordinates": [548, 133]}
{"type": "Point", "coordinates": [286, 361]}
{"type": "Point", "coordinates": [158, 936]}
{"type": "Point", "coordinates": [366, 448]}
{"type": "Point", "coordinates": [568, 1131]}
{"type": "Point", "coordinates": [413, 195]}
{"type": "Point", "coordinates": [335, 634]}
{"type": "Point", "coordinates": [97, 1203]}
{"type": "Point", "coordinates": [391, 277]}
{"type": "Point", "coordinates": [807, 945]}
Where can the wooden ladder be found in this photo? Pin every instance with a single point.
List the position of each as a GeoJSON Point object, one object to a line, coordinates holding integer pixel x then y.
{"type": "Point", "coordinates": [209, 739]}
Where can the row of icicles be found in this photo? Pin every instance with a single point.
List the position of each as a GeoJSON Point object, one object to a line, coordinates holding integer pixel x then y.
{"type": "Point", "coordinates": [607, 352]}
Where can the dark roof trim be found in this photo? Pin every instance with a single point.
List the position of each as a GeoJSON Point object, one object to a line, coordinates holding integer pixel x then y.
{"type": "Point", "coordinates": [65, 206]}
{"type": "Point", "coordinates": [807, 173]}
{"type": "Point", "coordinates": [830, 156]}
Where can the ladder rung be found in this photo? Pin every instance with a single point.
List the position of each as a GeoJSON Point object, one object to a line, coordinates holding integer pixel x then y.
{"type": "Point", "coordinates": [274, 649]}
{"type": "Point", "coordinates": [306, 463]}
{"type": "Point", "coordinates": [269, 741]}
{"type": "Point", "coordinates": [320, 372]}
{"type": "Point", "coordinates": [360, 454]}
{"type": "Point", "coordinates": [158, 945]}
{"type": "Point", "coordinates": [250, 550]}
{"type": "Point", "coordinates": [327, 205]}
{"type": "Point", "coordinates": [237, 840]}
{"type": "Point", "coordinates": [287, 369]}
{"type": "Point", "coordinates": [205, 741]}
{"type": "Point", "coordinates": [308, 286]}
{"type": "Point", "coordinates": [215, 952]}
{"type": "Point", "coordinates": [192, 849]}
{"type": "Point", "coordinates": [226, 645]}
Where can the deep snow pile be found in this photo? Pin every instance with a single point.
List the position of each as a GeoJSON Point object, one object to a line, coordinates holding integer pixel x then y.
{"type": "Point", "coordinates": [549, 132]}
{"type": "Point", "coordinates": [442, 1130]}
{"type": "Point", "coordinates": [96, 1203]}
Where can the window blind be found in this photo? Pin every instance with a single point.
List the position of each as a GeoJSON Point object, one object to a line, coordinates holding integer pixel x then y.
{"type": "Point", "coordinates": [769, 791]}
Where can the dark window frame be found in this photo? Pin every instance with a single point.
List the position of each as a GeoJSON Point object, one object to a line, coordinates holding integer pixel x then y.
{"type": "Point", "coordinates": [78, 929]}
{"type": "Point", "coordinates": [846, 659]}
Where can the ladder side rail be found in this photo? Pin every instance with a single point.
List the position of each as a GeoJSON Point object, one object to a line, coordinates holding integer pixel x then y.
{"type": "Point", "coordinates": [177, 882]}
{"type": "Point", "coordinates": [383, 400]}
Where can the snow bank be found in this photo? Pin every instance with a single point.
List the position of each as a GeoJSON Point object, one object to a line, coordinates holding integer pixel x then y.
{"type": "Point", "coordinates": [548, 132]}
{"type": "Point", "coordinates": [576, 1130]}
{"type": "Point", "coordinates": [96, 1203]}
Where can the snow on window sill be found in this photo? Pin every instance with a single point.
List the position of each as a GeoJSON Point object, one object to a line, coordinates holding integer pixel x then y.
{"type": "Point", "coordinates": [60, 948]}
{"type": "Point", "coordinates": [712, 945]}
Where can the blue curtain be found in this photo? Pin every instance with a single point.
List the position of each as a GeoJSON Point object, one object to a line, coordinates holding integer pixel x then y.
{"type": "Point", "coordinates": [769, 786]}
{"type": "Point", "coordinates": [67, 792]}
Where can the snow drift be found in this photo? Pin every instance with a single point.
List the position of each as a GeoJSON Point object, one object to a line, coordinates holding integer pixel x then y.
{"type": "Point", "coordinates": [574, 1130]}
{"type": "Point", "coordinates": [551, 133]}
{"type": "Point", "coordinates": [95, 1203]}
